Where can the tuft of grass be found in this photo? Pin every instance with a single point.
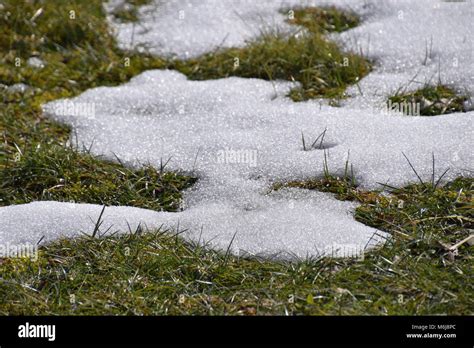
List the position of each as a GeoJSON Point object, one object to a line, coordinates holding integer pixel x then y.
{"type": "Point", "coordinates": [344, 186]}
{"type": "Point", "coordinates": [446, 213]}
{"type": "Point", "coordinates": [432, 100]}
{"type": "Point", "coordinates": [319, 65]}
{"type": "Point", "coordinates": [78, 51]}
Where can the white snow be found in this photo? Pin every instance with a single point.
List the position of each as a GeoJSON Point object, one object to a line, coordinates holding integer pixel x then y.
{"type": "Point", "coordinates": [192, 27]}
{"type": "Point", "coordinates": [35, 62]}
{"type": "Point", "coordinates": [241, 135]}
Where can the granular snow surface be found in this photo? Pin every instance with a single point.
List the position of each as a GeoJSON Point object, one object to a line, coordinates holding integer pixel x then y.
{"type": "Point", "coordinates": [241, 135]}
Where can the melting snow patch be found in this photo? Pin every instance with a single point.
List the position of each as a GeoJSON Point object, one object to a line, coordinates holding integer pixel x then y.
{"type": "Point", "coordinates": [35, 62]}
{"type": "Point", "coordinates": [413, 43]}
{"type": "Point", "coordinates": [241, 135]}
{"type": "Point", "coordinates": [189, 28]}
{"type": "Point", "coordinates": [46, 221]}
{"type": "Point", "coordinates": [311, 223]}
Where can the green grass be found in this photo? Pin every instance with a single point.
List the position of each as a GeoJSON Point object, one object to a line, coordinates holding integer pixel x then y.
{"type": "Point", "coordinates": [325, 19]}
{"type": "Point", "coordinates": [157, 272]}
{"type": "Point", "coordinates": [433, 100]}
{"type": "Point", "coordinates": [319, 65]}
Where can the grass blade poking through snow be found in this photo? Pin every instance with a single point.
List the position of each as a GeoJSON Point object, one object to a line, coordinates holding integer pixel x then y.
{"type": "Point", "coordinates": [322, 68]}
